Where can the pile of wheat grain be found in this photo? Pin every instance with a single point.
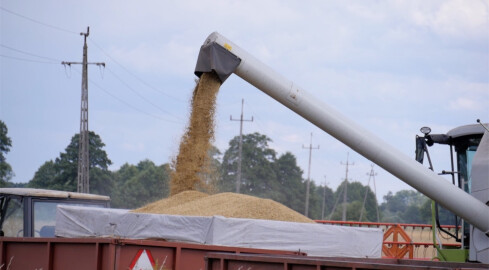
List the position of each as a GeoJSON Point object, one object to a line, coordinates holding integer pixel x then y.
{"type": "Point", "coordinates": [190, 163]}
{"type": "Point", "coordinates": [194, 203]}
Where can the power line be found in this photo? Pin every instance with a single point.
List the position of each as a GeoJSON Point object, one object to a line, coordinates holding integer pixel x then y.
{"type": "Point", "coordinates": [30, 54]}
{"type": "Point", "coordinates": [27, 60]}
{"type": "Point", "coordinates": [38, 22]}
{"type": "Point", "coordinates": [127, 103]}
{"type": "Point", "coordinates": [99, 47]}
{"type": "Point", "coordinates": [371, 174]}
{"type": "Point", "coordinates": [339, 191]}
{"type": "Point", "coordinates": [139, 95]}
{"type": "Point", "coordinates": [257, 118]}
{"type": "Point", "coordinates": [132, 74]}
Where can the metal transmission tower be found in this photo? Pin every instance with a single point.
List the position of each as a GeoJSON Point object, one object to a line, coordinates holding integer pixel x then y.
{"type": "Point", "coordinates": [372, 175]}
{"type": "Point", "coordinates": [306, 212]}
{"type": "Point", "coordinates": [83, 144]}
{"type": "Point", "coordinates": [345, 191]}
{"type": "Point", "coordinates": [240, 148]}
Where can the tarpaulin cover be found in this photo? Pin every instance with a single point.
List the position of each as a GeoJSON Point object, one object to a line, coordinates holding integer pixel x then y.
{"type": "Point", "coordinates": [313, 239]}
{"type": "Point", "coordinates": [80, 221]}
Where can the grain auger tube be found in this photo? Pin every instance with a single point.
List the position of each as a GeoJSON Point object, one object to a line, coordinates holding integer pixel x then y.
{"type": "Point", "coordinates": [222, 56]}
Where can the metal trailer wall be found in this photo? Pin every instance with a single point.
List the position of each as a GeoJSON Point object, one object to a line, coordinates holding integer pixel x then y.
{"type": "Point", "coordinates": [106, 253]}
{"type": "Point", "coordinates": [221, 261]}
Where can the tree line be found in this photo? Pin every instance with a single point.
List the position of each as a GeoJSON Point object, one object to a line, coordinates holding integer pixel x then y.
{"type": "Point", "coordinates": [264, 174]}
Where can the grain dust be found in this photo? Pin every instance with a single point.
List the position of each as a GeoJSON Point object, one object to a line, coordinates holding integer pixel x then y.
{"type": "Point", "coordinates": [189, 165]}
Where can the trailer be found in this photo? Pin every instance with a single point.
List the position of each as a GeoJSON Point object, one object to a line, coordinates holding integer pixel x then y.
{"type": "Point", "coordinates": [222, 261]}
{"type": "Point", "coordinates": [28, 253]}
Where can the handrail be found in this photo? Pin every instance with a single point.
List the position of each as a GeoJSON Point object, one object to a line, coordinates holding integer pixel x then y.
{"type": "Point", "coordinates": [378, 224]}
{"type": "Point", "coordinates": [397, 244]}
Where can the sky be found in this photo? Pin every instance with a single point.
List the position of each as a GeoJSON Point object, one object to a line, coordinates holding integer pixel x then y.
{"type": "Point", "coordinates": [390, 66]}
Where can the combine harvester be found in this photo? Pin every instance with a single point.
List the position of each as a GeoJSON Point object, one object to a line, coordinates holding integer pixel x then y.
{"type": "Point", "coordinates": [101, 238]}
{"type": "Point", "coordinates": [220, 55]}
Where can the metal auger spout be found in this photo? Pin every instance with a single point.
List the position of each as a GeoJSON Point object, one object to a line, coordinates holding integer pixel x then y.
{"type": "Point", "coordinates": [230, 58]}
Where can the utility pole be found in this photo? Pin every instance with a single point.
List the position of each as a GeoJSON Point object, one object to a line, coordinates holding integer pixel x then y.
{"type": "Point", "coordinates": [306, 212]}
{"type": "Point", "coordinates": [324, 198]}
{"type": "Point", "coordinates": [83, 144]}
{"type": "Point", "coordinates": [343, 217]}
{"type": "Point", "coordinates": [240, 148]}
{"type": "Point", "coordinates": [371, 174]}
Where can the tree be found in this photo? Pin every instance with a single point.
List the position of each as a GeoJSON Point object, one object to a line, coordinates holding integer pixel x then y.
{"type": "Point", "coordinates": [355, 196]}
{"type": "Point", "coordinates": [257, 166]}
{"type": "Point", "coordinates": [406, 206]}
{"type": "Point", "coordinates": [292, 187]}
{"type": "Point", "coordinates": [5, 144]}
{"type": "Point", "coordinates": [46, 177]}
{"type": "Point", "coordinates": [316, 201]}
{"type": "Point", "coordinates": [63, 172]}
{"type": "Point", "coordinates": [266, 176]}
{"type": "Point", "coordinates": [138, 185]}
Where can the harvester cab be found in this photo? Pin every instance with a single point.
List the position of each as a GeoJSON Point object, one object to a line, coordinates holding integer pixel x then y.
{"type": "Point", "coordinates": [469, 171]}
{"type": "Point", "coordinates": [29, 212]}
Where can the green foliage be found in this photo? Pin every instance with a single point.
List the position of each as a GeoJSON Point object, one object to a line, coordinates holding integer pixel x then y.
{"type": "Point", "coordinates": [129, 187]}
{"type": "Point", "coordinates": [63, 172]}
{"type": "Point", "coordinates": [289, 178]}
{"type": "Point", "coordinates": [138, 185]}
{"type": "Point", "coordinates": [316, 196]}
{"type": "Point", "coordinates": [5, 144]}
{"type": "Point", "coordinates": [257, 171]}
{"type": "Point", "coordinates": [266, 176]}
{"type": "Point", "coordinates": [355, 197]}
{"type": "Point", "coordinates": [406, 206]}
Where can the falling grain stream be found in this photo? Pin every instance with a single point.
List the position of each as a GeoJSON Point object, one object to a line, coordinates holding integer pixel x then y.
{"type": "Point", "coordinates": [192, 156]}
{"type": "Point", "coordinates": [191, 165]}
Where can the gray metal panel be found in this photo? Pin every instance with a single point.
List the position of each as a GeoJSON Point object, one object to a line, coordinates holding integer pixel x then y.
{"type": "Point", "coordinates": [466, 130]}
{"type": "Point", "coordinates": [213, 57]}
{"type": "Point", "coordinates": [51, 193]}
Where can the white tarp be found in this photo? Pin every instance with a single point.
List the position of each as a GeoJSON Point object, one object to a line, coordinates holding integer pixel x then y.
{"type": "Point", "coordinates": [81, 221]}
{"type": "Point", "coordinates": [313, 239]}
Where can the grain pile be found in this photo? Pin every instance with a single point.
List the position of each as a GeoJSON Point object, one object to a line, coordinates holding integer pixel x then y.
{"type": "Point", "coordinates": [192, 157]}
{"type": "Point", "coordinates": [194, 203]}
{"type": "Point", "coordinates": [191, 165]}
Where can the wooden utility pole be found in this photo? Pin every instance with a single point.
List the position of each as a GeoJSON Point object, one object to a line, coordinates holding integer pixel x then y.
{"type": "Point", "coordinates": [306, 212]}
{"type": "Point", "coordinates": [345, 191]}
{"type": "Point", "coordinates": [83, 145]}
{"type": "Point", "coordinates": [240, 147]}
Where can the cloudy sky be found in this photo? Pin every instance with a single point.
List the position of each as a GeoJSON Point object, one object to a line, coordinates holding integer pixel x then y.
{"type": "Point", "coordinates": [391, 66]}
